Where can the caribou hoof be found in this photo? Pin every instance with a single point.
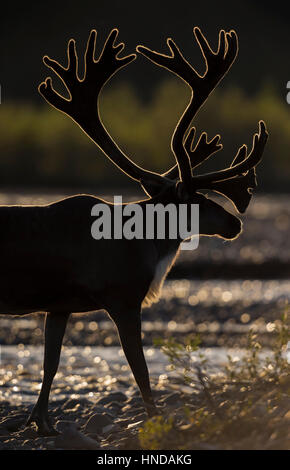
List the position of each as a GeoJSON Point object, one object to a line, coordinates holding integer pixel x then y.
{"type": "Point", "coordinates": [42, 421]}
{"type": "Point", "coordinates": [152, 410]}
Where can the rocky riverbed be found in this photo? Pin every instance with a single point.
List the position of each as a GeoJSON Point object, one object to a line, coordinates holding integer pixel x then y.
{"type": "Point", "coordinates": [94, 400]}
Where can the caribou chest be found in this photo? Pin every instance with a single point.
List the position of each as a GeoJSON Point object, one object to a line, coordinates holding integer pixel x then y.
{"type": "Point", "coordinates": [163, 266]}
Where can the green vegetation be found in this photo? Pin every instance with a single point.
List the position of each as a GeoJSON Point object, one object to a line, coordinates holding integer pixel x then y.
{"type": "Point", "coordinates": [246, 405]}
{"type": "Point", "coordinates": [40, 146]}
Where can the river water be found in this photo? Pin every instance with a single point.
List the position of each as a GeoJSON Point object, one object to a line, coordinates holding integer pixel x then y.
{"type": "Point", "coordinates": [92, 363]}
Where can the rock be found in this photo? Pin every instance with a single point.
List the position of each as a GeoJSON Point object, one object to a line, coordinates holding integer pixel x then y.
{"type": "Point", "coordinates": [141, 416]}
{"type": "Point", "coordinates": [76, 441]}
{"type": "Point", "coordinates": [28, 433]}
{"type": "Point", "coordinates": [135, 401]}
{"type": "Point", "coordinates": [127, 408]}
{"type": "Point", "coordinates": [113, 396]}
{"type": "Point", "coordinates": [73, 402]}
{"type": "Point", "coordinates": [97, 423]}
{"type": "Point", "coordinates": [114, 405]}
{"type": "Point", "coordinates": [110, 427]}
{"type": "Point", "coordinates": [172, 399]}
{"type": "Point", "coordinates": [135, 425]}
{"type": "Point", "coordinates": [129, 443]}
{"type": "Point", "coordinates": [25, 445]}
{"type": "Point", "coordinates": [69, 404]}
{"type": "Point", "coordinates": [130, 411]}
{"type": "Point", "coordinates": [49, 445]}
{"type": "Point", "coordinates": [123, 422]}
{"type": "Point", "coordinates": [94, 436]}
{"type": "Point", "coordinates": [72, 410]}
{"type": "Point", "coordinates": [72, 438]}
{"type": "Point", "coordinates": [63, 426]}
{"type": "Point", "coordinates": [159, 393]}
{"type": "Point", "coordinates": [13, 423]}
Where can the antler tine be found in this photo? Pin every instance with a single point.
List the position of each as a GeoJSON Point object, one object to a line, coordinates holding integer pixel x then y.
{"type": "Point", "coordinates": [203, 149]}
{"type": "Point", "coordinates": [255, 156]}
{"type": "Point", "coordinates": [68, 76]}
{"type": "Point", "coordinates": [82, 106]}
{"type": "Point", "coordinates": [96, 72]}
{"type": "Point", "coordinates": [108, 60]}
{"type": "Point", "coordinates": [188, 142]}
{"type": "Point", "coordinates": [52, 97]}
{"type": "Point", "coordinates": [177, 64]}
{"type": "Point", "coordinates": [201, 152]}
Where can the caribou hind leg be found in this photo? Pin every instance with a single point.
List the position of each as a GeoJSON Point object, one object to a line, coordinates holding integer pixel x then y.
{"type": "Point", "coordinates": [55, 324]}
{"type": "Point", "coordinates": [129, 329]}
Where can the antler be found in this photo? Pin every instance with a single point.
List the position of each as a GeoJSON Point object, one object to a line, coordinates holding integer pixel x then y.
{"type": "Point", "coordinates": [217, 65]}
{"type": "Point", "coordinates": [201, 152]}
{"type": "Point", "coordinates": [238, 167]}
{"type": "Point", "coordinates": [235, 183]}
{"type": "Point", "coordinates": [82, 106]}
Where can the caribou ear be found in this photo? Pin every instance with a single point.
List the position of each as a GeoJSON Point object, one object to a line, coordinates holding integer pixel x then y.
{"type": "Point", "coordinates": [239, 188]}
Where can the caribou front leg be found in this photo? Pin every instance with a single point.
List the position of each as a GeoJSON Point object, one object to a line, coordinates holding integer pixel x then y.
{"type": "Point", "coordinates": [129, 329]}
{"type": "Point", "coordinates": [55, 324]}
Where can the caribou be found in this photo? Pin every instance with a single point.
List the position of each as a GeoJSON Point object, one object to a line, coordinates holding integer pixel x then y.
{"type": "Point", "coordinates": [51, 264]}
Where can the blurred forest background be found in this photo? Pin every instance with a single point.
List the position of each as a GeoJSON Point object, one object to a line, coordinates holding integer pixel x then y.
{"type": "Point", "coordinates": [40, 147]}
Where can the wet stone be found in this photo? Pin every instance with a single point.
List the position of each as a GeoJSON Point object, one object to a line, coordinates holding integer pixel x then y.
{"type": "Point", "coordinates": [141, 416]}
{"type": "Point", "coordinates": [13, 423]}
{"type": "Point", "coordinates": [114, 405]}
{"type": "Point", "coordinates": [74, 439]}
{"type": "Point", "coordinates": [97, 423]}
{"type": "Point", "coordinates": [71, 404]}
{"type": "Point", "coordinates": [130, 411]}
{"type": "Point", "coordinates": [110, 428]}
{"type": "Point", "coordinates": [72, 410]}
{"type": "Point", "coordinates": [172, 399]}
{"type": "Point", "coordinates": [28, 433]}
{"type": "Point", "coordinates": [63, 426]}
{"type": "Point", "coordinates": [114, 396]}
{"type": "Point", "coordinates": [135, 401]}
{"type": "Point", "coordinates": [94, 436]}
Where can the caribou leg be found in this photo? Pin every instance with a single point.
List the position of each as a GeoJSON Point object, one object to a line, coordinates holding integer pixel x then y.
{"type": "Point", "coordinates": [55, 324]}
{"type": "Point", "coordinates": [129, 329]}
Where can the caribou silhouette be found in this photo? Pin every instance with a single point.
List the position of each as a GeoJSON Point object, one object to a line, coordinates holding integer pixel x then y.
{"type": "Point", "coordinates": [50, 261]}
